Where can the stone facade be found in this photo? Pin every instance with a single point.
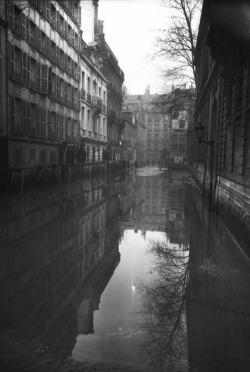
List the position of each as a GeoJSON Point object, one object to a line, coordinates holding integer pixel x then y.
{"type": "Point", "coordinates": [223, 108]}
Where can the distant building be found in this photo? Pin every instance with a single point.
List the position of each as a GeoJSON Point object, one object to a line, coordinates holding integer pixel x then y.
{"type": "Point", "coordinates": [128, 137]}
{"type": "Point", "coordinates": [133, 105]}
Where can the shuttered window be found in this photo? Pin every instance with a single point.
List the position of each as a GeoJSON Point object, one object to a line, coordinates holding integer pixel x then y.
{"type": "Point", "coordinates": [44, 79]}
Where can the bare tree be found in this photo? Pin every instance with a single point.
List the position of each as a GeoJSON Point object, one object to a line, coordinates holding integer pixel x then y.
{"type": "Point", "coordinates": [162, 308]}
{"type": "Point", "coordinates": [178, 40]}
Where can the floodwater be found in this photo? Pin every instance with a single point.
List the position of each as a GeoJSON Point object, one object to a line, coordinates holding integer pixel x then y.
{"type": "Point", "coordinates": [125, 272]}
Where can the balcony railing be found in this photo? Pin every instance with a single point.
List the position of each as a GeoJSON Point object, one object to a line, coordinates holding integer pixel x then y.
{"type": "Point", "coordinates": [89, 97]}
{"type": "Point", "coordinates": [97, 102]}
{"type": "Point", "coordinates": [83, 94]}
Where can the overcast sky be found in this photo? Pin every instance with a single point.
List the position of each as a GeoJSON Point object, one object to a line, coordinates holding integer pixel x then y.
{"type": "Point", "coordinates": [130, 28]}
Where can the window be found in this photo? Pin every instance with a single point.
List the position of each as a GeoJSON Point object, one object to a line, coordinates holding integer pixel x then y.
{"type": "Point", "coordinates": [88, 119]}
{"type": "Point", "coordinates": [18, 64]}
{"type": "Point", "coordinates": [83, 80]}
{"type": "Point", "coordinates": [104, 126]}
{"type": "Point", "coordinates": [83, 117]}
{"type": "Point", "coordinates": [237, 149]}
{"type": "Point", "coordinates": [52, 84]}
{"type": "Point", "coordinates": [42, 121]}
{"type": "Point", "coordinates": [42, 157]}
{"type": "Point", "coordinates": [18, 156]}
{"type": "Point", "coordinates": [182, 147]}
{"type": "Point", "coordinates": [33, 34]}
{"type": "Point", "coordinates": [247, 144]}
{"type": "Point", "coordinates": [44, 79]}
{"type": "Point", "coordinates": [33, 74]}
{"type": "Point", "coordinates": [26, 117]}
{"type": "Point", "coordinates": [53, 52]}
{"type": "Point", "coordinates": [18, 116]}
{"type": "Point", "coordinates": [61, 120]}
{"type": "Point", "coordinates": [25, 69]}
{"type": "Point", "coordinates": [229, 149]}
{"type": "Point", "coordinates": [33, 115]}
{"type": "Point", "coordinates": [42, 42]}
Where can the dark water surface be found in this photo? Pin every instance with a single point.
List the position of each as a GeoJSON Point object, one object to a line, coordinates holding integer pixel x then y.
{"type": "Point", "coordinates": [82, 276]}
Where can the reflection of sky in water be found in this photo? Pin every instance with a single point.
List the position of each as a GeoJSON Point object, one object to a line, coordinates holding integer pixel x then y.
{"type": "Point", "coordinates": [117, 334]}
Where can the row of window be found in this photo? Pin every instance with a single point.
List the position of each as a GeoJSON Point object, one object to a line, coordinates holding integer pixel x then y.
{"type": "Point", "coordinates": [39, 40]}
{"type": "Point", "coordinates": [237, 148]}
{"type": "Point", "coordinates": [33, 157]}
{"type": "Point", "coordinates": [29, 119]}
{"type": "Point", "coordinates": [41, 78]}
{"type": "Point", "coordinates": [25, 27]}
{"type": "Point", "coordinates": [156, 127]}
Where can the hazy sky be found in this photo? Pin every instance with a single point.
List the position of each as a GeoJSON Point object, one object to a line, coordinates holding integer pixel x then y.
{"type": "Point", "coordinates": [130, 28]}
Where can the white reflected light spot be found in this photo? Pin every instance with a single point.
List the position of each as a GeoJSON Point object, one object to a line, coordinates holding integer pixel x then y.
{"type": "Point", "coordinates": [133, 287]}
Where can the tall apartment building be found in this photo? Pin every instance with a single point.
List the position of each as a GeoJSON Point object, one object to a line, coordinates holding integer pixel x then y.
{"type": "Point", "coordinates": [115, 77]}
{"type": "Point", "coordinates": [41, 127]}
{"type": "Point", "coordinates": [93, 116]}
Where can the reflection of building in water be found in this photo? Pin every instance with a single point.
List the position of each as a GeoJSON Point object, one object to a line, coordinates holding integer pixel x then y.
{"type": "Point", "coordinates": [217, 297]}
{"type": "Point", "coordinates": [175, 216]}
{"type": "Point", "coordinates": [99, 249]}
{"type": "Point", "coordinates": [144, 204]}
{"type": "Point", "coordinates": [54, 256]}
{"type": "Point", "coordinates": [155, 205]}
{"type": "Point", "coordinates": [131, 202]}
{"type": "Point", "coordinates": [40, 265]}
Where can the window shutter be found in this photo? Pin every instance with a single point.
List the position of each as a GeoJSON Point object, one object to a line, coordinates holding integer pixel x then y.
{"type": "Point", "coordinates": [39, 38]}
{"type": "Point", "coordinates": [23, 121]}
{"type": "Point", "coordinates": [12, 113]}
{"type": "Point", "coordinates": [11, 62]}
{"type": "Point", "coordinates": [48, 9]}
{"type": "Point", "coordinates": [27, 126]}
{"type": "Point", "coordinates": [27, 29]}
{"type": "Point", "coordinates": [28, 70]}
{"type": "Point", "coordinates": [48, 48]}
{"type": "Point", "coordinates": [49, 125]}
{"type": "Point", "coordinates": [57, 126]}
{"type": "Point", "coordinates": [57, 88]}
{"type": "Point", "coordinates": [24, 20]}
{"type": "Point", "coordinates": [38, 76]}
{"type": "Point", "coordinates": [24, 68]}
{"type": "Point", "coordinates": [11, 14]}
{"type": "Point", "coordinates": [44, 79]}
{"type": "Point", "coordinates": [65, 92]}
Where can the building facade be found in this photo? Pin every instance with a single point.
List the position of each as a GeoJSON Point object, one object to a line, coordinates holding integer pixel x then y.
{"type": "Point", "coordinates": [42, 84]}
{"type": "Point", "coordinates": [133, 106]}
{"type": "Point", "coordinates": [222, 110]}
{"type": "Point", "coordinates": [115, 77]}
{"type": "Point", "coordinates": [93, 115]}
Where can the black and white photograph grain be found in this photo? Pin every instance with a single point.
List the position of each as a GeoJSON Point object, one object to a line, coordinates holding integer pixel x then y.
{"type": "Point", "coordinates": [124, 185]}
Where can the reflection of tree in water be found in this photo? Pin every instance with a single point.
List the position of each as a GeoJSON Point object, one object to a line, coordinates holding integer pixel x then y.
{"type": "Point", "coordinates": [162, 310]}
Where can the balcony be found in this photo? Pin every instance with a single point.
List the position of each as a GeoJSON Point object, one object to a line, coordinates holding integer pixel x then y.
{"type": "Point", "coordinates": [97, 102]}
{"type": "Point", "coordinates": [83, 94]}
{"type": "Point", "coordinates": [89, 98]}
{"type": "Point", "coordinates": [104, 108]}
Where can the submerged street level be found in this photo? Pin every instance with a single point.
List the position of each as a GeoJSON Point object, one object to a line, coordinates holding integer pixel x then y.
{"type": "Point", "coordinates": [79, 263]}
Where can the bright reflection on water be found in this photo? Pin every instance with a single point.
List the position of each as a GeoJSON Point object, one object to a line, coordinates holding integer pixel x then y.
{"type": "Point", "coordinates": [117, 334]}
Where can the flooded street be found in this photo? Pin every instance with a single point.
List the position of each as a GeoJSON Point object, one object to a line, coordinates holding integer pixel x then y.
{"type": "Point", "coordinates": [122, 272]}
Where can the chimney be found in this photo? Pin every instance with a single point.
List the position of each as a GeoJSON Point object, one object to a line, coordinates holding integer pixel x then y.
{"type": "Point", "coordinates": [95, 3]}
{"type": "Point", "coordinates": [100, 27]}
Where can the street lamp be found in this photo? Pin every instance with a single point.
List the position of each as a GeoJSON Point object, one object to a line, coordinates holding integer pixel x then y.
{"type": "Point", "coordinates": [200, 131]}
